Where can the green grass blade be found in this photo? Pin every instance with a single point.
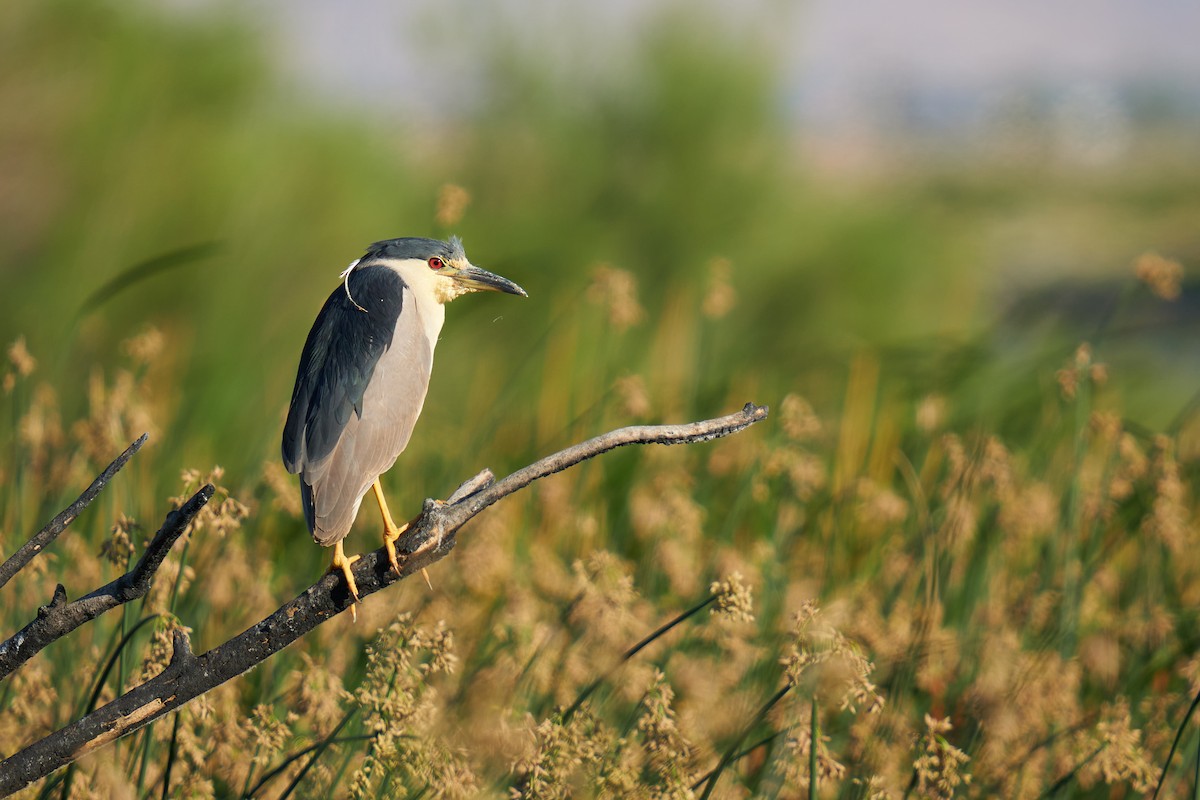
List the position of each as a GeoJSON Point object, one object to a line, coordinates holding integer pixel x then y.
{"type": "Point", "coordinates": [170, 758]}
{"type": "Point", "coordinates": [633, 651]}
{"type": "Point", "coordinates": [317, 749]}
{"type": "Point", "coordinates": [145, 270]}
{"type": "Point", "coordinates": [728, 757]}
{"type": "Point", "coordinates": [814, 732]}
{"type": "Point", "coordinates": [1175, 745]}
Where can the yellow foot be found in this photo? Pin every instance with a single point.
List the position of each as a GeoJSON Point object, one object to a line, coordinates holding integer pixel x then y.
{"type": "Point", "coordinates": [344, 563]}
{"type": "Point", "coordinates": [390, 534]}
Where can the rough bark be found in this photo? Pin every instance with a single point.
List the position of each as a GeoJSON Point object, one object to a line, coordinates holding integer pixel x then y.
{"type": "Point", "coordinates": [430, 539]}
{"type": "Point", "coordinates": [54, 527]}
{"type": "Point", "coordinates": [58, 617]}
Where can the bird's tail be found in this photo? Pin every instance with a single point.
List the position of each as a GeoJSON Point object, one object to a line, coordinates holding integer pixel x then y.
{"type": "Point", "coordinates": [306, 499]}
{"type": "Point", "coordinates": [331, 515]}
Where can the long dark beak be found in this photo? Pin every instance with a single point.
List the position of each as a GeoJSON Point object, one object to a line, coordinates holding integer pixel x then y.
{"type": "Point", "coordinates": [482, 280]}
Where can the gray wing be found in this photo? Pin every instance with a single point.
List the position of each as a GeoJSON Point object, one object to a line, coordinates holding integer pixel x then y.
{"type": "Point", "coordinates": [360, 387]}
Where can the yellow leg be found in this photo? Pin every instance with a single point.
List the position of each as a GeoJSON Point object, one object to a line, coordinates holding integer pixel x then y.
{"type": "Point", "coordinates": [343, 562]}
{"type": "Point", "coordinates": [392, 531]}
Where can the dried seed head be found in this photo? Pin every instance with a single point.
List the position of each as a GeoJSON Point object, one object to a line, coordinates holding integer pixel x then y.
{"type": "Point", "coordinates": [452, 203]}
{"type": "Point", "coordinates": [799, 747]}
{"type": "Point", "coordinates": [734, 598]}
{"type": "Point", "coordinates": [798, 419]}
{"type": "Point", "coordinates": [19, 357]}
{"type": "Point", "coordinates": [635, 400]}
{"type": "Point", "coordinates": [878, 507]}
{"type": "Point", "coordinates": [560, 751]}
{"type": "Point", "coordinates": [1121, 756]}
{"type": "Point", "coordinates": [616, 290]}
{"type": "Point", "coordinates": [721, 297]}
{"type": "Point", "coordinates": [264, 734]}
{"type": "Point", "coordinates": [118, 548]}
{"type": "Point", "coordinates": [283, 488]}
{"type": "Point", "coordinates": [822, 655]}
{"type": "Point", "coordinates": [931, 413]}
{"type": "Point", "coordinates": [1169, 518]}
{"type": "Point", "coordinates": [223, 514]}
{"type": "Point", "coordinates": [940, 768]}
{"type": "Point", "coordinates": [1162, 275]}
{"type": "Point", "coordinates": [145, 347]}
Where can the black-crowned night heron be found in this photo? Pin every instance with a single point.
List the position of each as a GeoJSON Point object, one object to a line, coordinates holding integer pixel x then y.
{"type": "Point", "coordinates": [363, 376]}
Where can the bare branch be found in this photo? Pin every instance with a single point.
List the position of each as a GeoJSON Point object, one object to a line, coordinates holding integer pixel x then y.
{"type": "Point", "coordinates": [54, 527]}
{"type": "Point", "coordinates": [58, 618]}
{"type": "Point", "coordinates": [433, 537]}
{"type": "Point", "coordinates": [453, 517]}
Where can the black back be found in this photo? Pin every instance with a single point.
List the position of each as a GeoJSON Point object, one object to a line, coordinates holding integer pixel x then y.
{"type": "Point", "coordinates": [338, 360]}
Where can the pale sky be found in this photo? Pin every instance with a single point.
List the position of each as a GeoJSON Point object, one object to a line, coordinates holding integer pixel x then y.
{"type": "Point", "coordinates": [838, 56]}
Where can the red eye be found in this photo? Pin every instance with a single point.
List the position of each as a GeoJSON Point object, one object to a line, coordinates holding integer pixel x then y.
{"type": "Point", "coordinates": [436, 263]}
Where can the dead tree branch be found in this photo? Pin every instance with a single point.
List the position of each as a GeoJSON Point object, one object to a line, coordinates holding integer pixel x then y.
{"type": "Point", "coordinates": [431, 539]}
{"type": "Point", "coordinates": [58, 618]}
{"type": "Point", "coordinates": [54, 527]}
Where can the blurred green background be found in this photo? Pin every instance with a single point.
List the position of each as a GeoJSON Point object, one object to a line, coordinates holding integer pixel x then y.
{"type": "Point", "coordinates": [132, 134]}
{"type": "Point", "coordinates": [166, 168]}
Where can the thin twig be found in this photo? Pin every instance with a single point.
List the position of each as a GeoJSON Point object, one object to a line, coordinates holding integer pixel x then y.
{"type": "Point", "coordinates": [58, 618]}
{"type": "Point", "coordinates": [54, 527]}
{"type": "Point", "coordinates": [638, 434]}
{"type": "Point", "coordinates": [431, 539]}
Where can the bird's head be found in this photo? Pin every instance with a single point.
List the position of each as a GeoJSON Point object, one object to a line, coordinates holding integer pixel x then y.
{"type": "Point", "coordinates": [441, 266]}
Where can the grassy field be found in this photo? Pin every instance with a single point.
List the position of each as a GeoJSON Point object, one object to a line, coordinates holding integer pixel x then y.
{"type": "Point", "coordinates": [959, 557]}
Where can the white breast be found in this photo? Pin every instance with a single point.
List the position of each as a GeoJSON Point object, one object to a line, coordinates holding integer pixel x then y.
{"type": "Point", "coordinates": [420, 295]}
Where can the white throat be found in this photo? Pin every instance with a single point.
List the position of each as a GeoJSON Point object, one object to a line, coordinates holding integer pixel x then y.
{"type": "Point", "coordinates": [422, 291]}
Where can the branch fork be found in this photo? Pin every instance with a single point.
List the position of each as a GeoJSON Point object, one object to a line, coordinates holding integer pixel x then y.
{"type": "Point", "coordinates": [431, 538]}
